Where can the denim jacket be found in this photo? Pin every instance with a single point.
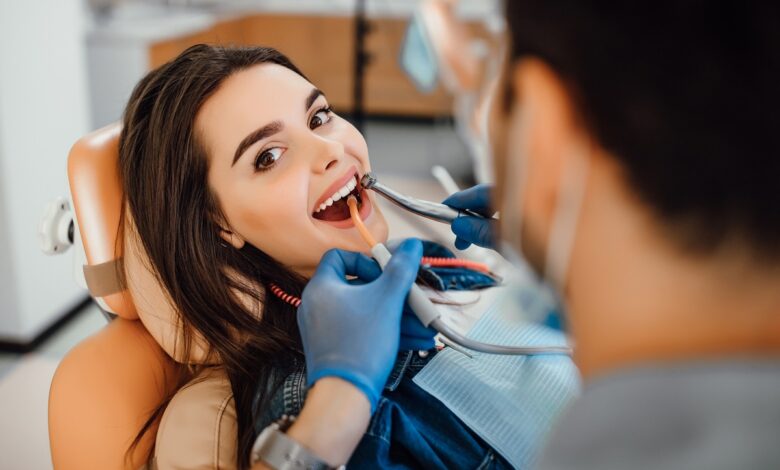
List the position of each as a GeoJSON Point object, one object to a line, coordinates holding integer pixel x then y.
{"type": "Point", "coordinates": [406, 428]}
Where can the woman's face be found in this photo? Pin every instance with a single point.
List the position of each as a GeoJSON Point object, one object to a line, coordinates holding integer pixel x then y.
{"type": "Point", "coordinates": [277, 158]}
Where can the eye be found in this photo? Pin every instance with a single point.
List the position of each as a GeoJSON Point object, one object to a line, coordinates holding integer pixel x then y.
{"type": "Point", "coordinates": [266, 159]}
{"type": "Point", "coordinates": [320, 117]}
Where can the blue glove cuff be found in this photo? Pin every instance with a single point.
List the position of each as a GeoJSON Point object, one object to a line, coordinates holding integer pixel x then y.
{"type": "Point", "coordinates": [363, 384]}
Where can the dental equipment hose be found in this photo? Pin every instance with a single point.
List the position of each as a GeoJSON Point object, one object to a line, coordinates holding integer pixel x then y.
{"type": "Point", "coordinates": [428, 314]}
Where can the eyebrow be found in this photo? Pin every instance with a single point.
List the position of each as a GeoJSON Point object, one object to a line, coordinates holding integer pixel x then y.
{"type": "Point", "coordinates": [265, 131]}
{"type": "Point", "coordinates": [315, 93]}
{"type": "Point", "coordinates": [270, 129]}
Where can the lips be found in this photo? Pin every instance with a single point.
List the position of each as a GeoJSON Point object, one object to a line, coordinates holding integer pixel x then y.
{"type": "Point", "coordinates": [332, 205]}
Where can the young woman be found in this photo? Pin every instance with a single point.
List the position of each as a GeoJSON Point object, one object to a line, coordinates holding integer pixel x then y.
{"type": "Point", "coordinates": [236, 173]}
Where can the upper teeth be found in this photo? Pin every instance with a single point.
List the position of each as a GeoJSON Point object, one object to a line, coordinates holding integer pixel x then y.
{"type": "Point", "coordinates": [338, 194]}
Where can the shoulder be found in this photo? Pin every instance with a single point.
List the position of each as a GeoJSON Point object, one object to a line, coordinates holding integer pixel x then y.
{"type": "Point", "coordinates": [198, 429]}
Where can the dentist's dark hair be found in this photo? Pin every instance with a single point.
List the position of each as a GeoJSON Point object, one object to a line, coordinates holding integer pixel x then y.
{"type": "Point", "coordinates": [216, 290]}
{"type": "Point", "coordinates": [684, 94]}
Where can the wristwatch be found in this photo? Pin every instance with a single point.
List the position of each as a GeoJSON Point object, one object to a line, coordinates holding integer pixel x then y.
{"type": "Point", "coordinates": [279, 451]}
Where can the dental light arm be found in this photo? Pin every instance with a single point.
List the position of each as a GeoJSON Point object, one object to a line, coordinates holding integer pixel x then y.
{"type": "Point", "coordinates": [427, 312]}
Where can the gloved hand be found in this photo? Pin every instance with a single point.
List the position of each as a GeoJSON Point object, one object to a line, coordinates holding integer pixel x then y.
{"type": "Point", "coordinates": [467, 229]}
{"type": "Point", "coordinates": [414, 336]}
{"type": "Point", "coordinates": [352, 331]}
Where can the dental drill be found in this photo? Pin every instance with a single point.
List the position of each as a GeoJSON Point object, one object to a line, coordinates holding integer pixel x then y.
{"type": "Point", "coordinates": [430, 210]}
{"type": "Point", "coordinates": [427, 312]}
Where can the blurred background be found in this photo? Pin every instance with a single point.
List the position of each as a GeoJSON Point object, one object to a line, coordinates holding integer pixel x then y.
{"type": "Point", "coordinates": [411, 74]}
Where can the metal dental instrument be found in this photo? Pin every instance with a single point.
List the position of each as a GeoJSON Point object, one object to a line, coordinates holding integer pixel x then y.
{"type": "Point", "coordinates": [431, 210]}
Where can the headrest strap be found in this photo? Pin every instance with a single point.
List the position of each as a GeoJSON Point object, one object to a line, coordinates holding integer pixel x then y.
{"type": "Point", "coordinates": [103, 279]}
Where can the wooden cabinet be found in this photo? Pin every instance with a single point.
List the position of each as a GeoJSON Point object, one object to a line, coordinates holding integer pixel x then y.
{"type": "Point", "coordinates": [388, 90]}
{"type": "Point", "coordinates": [323, 48]}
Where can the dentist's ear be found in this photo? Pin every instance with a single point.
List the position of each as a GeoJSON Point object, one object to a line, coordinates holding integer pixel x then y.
{"type": "Point", "coordinates": [232, 238]}
{"type": "Point", "coordinates": [545, 130]}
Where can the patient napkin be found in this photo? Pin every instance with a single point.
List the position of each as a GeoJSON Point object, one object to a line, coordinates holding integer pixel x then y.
{"type": "Point", "coordinates": [511, 402]}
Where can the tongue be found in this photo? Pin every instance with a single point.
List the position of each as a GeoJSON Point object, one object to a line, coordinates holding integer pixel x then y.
{"type": "Point", "coordinates": [334, 213]}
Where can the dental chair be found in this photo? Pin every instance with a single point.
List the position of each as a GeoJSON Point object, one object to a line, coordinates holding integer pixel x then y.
{"type": "Point", "coordinates": [107, 386]}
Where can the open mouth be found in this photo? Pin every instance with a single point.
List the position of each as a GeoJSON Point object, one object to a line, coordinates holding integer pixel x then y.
{"type": "Point", "coordinates": [335, 208]}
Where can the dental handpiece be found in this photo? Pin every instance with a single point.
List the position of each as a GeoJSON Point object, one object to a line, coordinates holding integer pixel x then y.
{"type": "Point", "coordinates": [431, 210]}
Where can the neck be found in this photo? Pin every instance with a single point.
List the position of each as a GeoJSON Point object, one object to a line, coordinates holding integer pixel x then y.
{"type": "Point", "coordinates": [648, 300]}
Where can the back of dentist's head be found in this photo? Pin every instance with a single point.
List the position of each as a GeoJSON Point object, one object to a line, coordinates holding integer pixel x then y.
{"type": "Point", "coordinates": [684, 95]}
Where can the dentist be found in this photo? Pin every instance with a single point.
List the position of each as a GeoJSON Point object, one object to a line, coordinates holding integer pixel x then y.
{"type": "Point", "coordinates": [637, 170]}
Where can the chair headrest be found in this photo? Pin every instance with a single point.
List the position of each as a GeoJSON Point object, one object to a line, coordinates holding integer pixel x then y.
{"type": "Point", "coordinates": [96, 191]}
{"type": "Point", "coordinates": [97, 200]}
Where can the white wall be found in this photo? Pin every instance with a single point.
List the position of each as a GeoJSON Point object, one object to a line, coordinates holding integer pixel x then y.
{"type": "Point", "coordinates": [44, 108]}
{"type": "Point", "coordinates": [115, 67]}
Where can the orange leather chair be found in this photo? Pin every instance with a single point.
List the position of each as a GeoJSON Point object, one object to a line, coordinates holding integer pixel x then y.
{"type": "Point", "coordinates": [106, 387]}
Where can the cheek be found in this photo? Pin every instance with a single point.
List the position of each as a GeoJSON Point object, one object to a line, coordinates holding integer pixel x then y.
{"type": "Point", "coordinates": [353, 141]}
{"type": "Point", "coordinates": [265, 215]}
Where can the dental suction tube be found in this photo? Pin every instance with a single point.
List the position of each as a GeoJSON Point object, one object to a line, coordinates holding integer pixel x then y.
{"type": "Point", "coordinates": [468, 343]}
{"type": "Point", "coordinates": [430, 210]}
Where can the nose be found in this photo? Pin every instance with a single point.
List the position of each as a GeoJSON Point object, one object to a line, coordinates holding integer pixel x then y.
{"type": "Point", "coordinates": [327, 154]}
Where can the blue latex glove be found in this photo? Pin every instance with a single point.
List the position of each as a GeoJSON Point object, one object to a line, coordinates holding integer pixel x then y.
{"type": "Point", "coordinates": [467, 229]}
{"type": "Point", "coordinates": [414, 336]}
{"type": "Point", "coordinates": [352, 331]}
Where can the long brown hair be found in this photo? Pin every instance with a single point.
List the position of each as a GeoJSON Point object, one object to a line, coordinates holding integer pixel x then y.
{"type": "Point", "coordinates": [213, 286]}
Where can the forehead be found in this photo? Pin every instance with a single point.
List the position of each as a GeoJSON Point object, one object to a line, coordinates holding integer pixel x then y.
{"type": "Point", "coordinates": [250, 99]}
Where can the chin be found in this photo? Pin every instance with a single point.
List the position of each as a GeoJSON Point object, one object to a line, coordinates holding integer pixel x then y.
{"type": "Point", "coordinates": [350, 240]}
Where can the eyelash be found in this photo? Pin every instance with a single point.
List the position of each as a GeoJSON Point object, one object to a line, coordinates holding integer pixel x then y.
{"type": "Point", "coordinates": [259, 169]}
{"type": "Point", "coordinates": [327, 110]}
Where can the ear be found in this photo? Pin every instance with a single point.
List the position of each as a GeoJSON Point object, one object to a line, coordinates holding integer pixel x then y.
{"type": "Point", "coordinates": [547, 129]}
{"type": "Point", "coordinates": [232, 238]}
